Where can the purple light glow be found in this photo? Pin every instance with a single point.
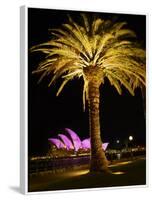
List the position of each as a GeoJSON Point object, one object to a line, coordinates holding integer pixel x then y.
{"type": "Point", "coordinates": [73, 142]}
{"type": "Point", "coordinates": [86, 144]}
{"type": "Point", "coordinates": [75, 139]}
{"type": "Point", "coordinates": [104, 146]}
{"type": "Point", "coordinates": [57, 143]}
{"type": "Point", "coordinates": [66, 141]}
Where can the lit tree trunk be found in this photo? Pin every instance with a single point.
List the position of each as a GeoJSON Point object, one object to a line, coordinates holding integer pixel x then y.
{"type": "Point", "coordinates": [98, 158]}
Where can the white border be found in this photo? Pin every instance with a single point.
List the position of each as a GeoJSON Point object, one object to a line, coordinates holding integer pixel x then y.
{"type": "Point", "coordinates": [81, 9]}
{"type": "Point", "coordinates": [147, 101]}
{"type": "Point", "coordinates": [24, 98]}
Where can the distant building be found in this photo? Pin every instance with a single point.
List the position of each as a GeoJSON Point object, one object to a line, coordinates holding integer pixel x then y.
{"type": "Point", "coordinates": [71, 142]}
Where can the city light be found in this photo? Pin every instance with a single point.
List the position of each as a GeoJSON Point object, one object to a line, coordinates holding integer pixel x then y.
{"type": "Point", "coordinates": [130, 137]}
{"type": "Point", "coordinates": [118, 141]}
{"type": "Point", "coordinates": [118, 173]}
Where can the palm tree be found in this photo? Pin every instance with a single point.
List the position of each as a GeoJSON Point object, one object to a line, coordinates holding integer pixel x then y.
{"type": "Point", "coordinates": [93, 50]}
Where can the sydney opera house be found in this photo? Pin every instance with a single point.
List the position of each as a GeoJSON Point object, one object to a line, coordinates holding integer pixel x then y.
{"type": "Point", "coordinates": [71, 141]}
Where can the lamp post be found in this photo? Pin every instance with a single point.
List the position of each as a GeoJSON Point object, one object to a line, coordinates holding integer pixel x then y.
{"type": "Point", "coordinates": [118, 149]}
{"type": "Point", "coordinates": [131, 139]}
{"type": "Point", "coordinates": [127, 141]}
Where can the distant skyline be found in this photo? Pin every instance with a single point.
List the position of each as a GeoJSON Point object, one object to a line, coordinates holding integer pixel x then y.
{"type": "Point", "coordinates": [49, 115]}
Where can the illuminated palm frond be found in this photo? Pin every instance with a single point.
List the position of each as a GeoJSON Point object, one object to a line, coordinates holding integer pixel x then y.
{"type": "Point", "coordinates": [99, 49]}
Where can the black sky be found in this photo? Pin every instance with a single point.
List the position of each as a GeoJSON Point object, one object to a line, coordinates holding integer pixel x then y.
{"type": "Point", "coordinates": [121, 116]}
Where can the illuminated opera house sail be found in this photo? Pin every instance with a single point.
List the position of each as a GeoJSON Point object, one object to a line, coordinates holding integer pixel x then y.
{"type": "Point", "coordinates": [71, 141]}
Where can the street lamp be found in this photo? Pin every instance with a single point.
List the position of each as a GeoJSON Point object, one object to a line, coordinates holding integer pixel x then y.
{"type": "Point", "coordinates": [118, 141]}
{"type": "Point", "coordinates": [130, 138]}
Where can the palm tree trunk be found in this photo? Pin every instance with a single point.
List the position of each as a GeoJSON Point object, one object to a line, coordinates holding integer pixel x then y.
{"type": "Point", "coordinates": [98, 158]}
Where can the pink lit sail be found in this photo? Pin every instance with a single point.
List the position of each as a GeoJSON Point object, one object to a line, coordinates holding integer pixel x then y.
{"type": "Point", "coordinates": [66, 141]}
{"type": "Point", "coordinates": [75, 139]}
{"type": "Point", "coordinates": [104, 146]}
{"type": "Point", "coordinates": [57, 143]}
{"type": "Point", "coordinates": [86, 144]}
{"type": "Point", "coordinates": [73, 142]}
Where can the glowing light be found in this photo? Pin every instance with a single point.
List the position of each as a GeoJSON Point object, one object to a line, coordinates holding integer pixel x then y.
{"type": "Point", "coordinates": [75, 53]}
{"type": "Point", "coordinates": [79, 173]}
{"type": "Point", "coordinates": [125, 162]}
{"type": "Point", "coordinates": [86, 143]}
{"type": "Point", "coordinates": [73, 142]}
{"type": "Point", "coordinates": [75, 139]}
{"type": "Point", "coordinates": [104, 146]}
{"type": "Point", "coordinates": [118, 173]}
{"type": "Point", "coordinates": [121, 163]}
{"type": "Point", "coordinates": [66, 141]}
{"type": "Point", "coordinates": [57, 142]}
{"type": "Point", "coordinates": [118, 141]}
{"type": "Point", "coordinates": [130, 137]}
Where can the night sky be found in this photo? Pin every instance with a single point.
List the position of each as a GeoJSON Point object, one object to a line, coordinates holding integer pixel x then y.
{"type": "Point", "coordinates": [48, 115]}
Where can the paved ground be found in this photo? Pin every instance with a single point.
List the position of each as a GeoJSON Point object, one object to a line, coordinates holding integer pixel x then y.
{"type": "Point", "coordinates": [125, 173]}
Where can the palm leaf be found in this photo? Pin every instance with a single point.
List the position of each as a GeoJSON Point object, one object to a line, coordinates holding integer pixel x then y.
{"type": "Point", "coordinates": [93, 49]}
